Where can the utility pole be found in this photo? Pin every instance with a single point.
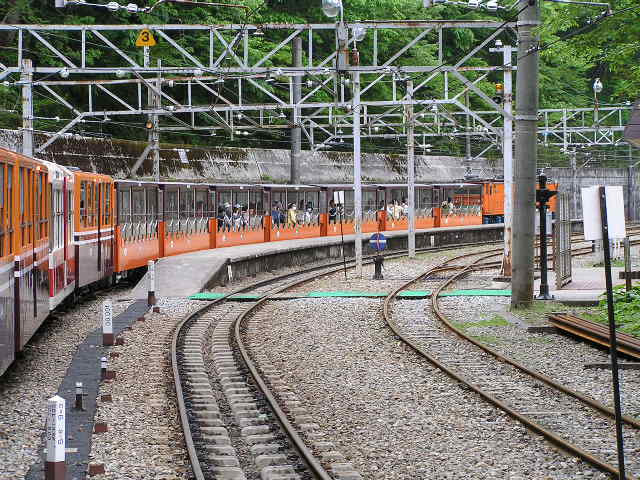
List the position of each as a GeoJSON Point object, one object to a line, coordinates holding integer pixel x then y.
{"type": "Point", "coordinates": [467, 137]}
{"type": "Point", "coordinates": [296, 131]}
{"type": "Point", "coordinates": [411, 170]}
{"type": "Point", "coordinates": [26, 78]}
{"type": "Point", "coordinates": [357, 172]}
{"type": "Point", "coordinates": [507, 155]}
{"type": "Point", "coordinates": [154, 134]}
{"type": "Point", "coordinates": [526, 154]}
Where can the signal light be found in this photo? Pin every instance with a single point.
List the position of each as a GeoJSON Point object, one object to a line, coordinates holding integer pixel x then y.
{"type": "Point", "coordinates": [499, 96]}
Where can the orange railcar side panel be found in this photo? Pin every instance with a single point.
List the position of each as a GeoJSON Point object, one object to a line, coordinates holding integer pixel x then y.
{"type": "Point", "coordinates": [246, 237]}
{"type": "Point", "coordinates": [493, 199]}
{"type": "Point", "coordinates": [424, 222]}
{"type": "Point", "coordinates": [181, 243]}
{"type": "Point", "coordinates": [136, 253]}
{"type": "Point", "coordinates": [370, 226]}
{"type": "Point", "coordinates": [295, 232]}
{"type": "Point", "coordinates": [334, 229]}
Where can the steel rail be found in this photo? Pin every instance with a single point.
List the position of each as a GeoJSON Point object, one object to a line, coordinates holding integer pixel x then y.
{"type": "Point", "coordinates": [467, 382]}
{"type": "Point", "coordinates": [539, 376]}
{"type": "Point", "coordinates": [182, 409]}
{"type": "Point", "coordinates": [464, 270]}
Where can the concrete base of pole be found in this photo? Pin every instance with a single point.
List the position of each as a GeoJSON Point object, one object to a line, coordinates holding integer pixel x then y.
{"type": "Point", "coordinates": [502, 279]}
{"type": "Point", "coordinates": [100, 428]}
{"type": "Point", "coordinates": [544, 296]}
{"type": "Point", "coordinates": [96, 469]}
{"type": "Point", "coordinates": [55, 470]}
{"type": "Point", "coordinates": [107, 339]}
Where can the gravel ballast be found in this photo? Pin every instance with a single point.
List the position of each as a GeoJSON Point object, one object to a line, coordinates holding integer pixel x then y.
{"type": "Point", "coordinates": [36, 376]}
{"type": "Point", "coordinates": [392, 414]}
{"type": "Point", "coordinates": [144, 438]}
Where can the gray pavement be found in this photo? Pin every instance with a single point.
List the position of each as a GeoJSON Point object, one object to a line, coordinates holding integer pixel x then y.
{"type": "Point", "coordinates": [587, 285]}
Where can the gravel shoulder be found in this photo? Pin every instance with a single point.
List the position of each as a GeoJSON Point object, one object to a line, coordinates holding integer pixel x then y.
{"type": "Point", "coordinates": [144, 437]}
{"type": "Point", "coordinates": [36, 376]}
{"type": "Point", "coordinates": [392, 414]}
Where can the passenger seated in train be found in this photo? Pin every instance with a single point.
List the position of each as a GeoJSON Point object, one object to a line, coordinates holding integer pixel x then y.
{"type": "Point", "coordinates": [291, 215]}
{"type": "Point", "coordinates": [333, 212]}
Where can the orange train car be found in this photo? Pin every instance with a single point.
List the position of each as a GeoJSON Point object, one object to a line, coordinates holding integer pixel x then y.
{"type": "Point", "coordinates": [62, 230]}
{"type": "Point", "coordinates": [493, 201]}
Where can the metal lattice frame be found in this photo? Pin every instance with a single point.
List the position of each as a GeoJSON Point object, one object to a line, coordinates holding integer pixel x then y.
{"type": "Point", "coordinates": [196, 58]}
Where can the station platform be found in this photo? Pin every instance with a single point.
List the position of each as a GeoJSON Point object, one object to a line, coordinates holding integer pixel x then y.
{"type": "Point", "coordinates": [587, 285]}
{"type": "Point", "coordinates": [190, 273]}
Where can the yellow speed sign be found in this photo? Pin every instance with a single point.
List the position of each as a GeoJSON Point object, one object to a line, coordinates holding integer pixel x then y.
{"type": "Point", "coordinates": [145, 39]}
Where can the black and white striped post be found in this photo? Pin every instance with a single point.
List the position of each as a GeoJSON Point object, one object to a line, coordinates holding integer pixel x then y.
{"type": "Point", "coordinates": [151, 283]}
{"type": "Point", "coordinates": [55, 466]}
{"type": "Point", "coordinates": [107, 323]}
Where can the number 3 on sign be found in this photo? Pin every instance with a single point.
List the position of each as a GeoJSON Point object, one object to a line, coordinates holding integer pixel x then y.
{"type": "Point", "coordinates": [145, 39]}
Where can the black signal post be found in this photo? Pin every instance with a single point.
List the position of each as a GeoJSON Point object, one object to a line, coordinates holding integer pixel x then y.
{"type": "Point", "coordinates": [543, 195]}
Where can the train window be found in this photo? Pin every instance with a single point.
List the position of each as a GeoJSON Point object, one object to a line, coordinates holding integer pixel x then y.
{"type": "Point", "coordinates": [171, 204]}
{"type": "Point", "coordinates": [152, 204]}
{"type": "Point", "coordinates": [37, 206]}
{"type": "Point", "coordinates": [10, 207]}
{"type": "Point", "coordinates": [368, 200]}
{"type": "Point", "coordinates": [186, 202]}
{"type": "Point", "coordinates": [83, 202]}
{"type": "Point", "coordinates": [138, 205]}
{"type": "Point", "coordinates": [3, 212]}
{"type": "Point", "coordinates": [107, 204]}
{"type": "Point", "coordinates": [201, 203]}
{"type": "Point", "coordinates": [21, 192]}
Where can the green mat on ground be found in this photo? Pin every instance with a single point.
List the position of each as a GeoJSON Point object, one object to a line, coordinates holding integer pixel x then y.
{"type": "Point", "coordinates": [415, 294]}
{"type": "Point", "coordinates": [477, 293]}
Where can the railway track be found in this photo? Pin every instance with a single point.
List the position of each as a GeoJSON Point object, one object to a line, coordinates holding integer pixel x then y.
{"type": "Point", "coordinates": [595, 333]}
{"type": "Point", "coordinates": [570, 420]}
{"type": "Point", "coordinates": [239, 420]}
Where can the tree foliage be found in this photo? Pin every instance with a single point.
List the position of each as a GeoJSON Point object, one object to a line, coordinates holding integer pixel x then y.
{"type": "Point", "coordinates": [577, 46]}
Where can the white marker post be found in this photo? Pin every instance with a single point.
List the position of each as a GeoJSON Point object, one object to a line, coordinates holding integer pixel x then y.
{"type": "Point", "coordinates": [603, 219]}
{"type": "Point", "coordinates": [107, 323]}
{"type": "Point", "coordinates": [151, 281]}
{"type": "Point", "coordinates": [55, 466]}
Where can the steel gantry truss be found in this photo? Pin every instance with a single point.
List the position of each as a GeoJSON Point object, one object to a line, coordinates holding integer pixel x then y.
{"type": "Point", "coordinates": [245, 92]}
{"type": "Point", "coordinates": [209, 78]}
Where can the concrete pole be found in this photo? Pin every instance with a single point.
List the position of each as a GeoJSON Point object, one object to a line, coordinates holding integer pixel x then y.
{"type": "Point", "coordinates": [507, 152]}
{"type": "Point", "coordinates": [155, 131]}
{"type": "Point", "coordinates": [574, 185]}
{"type": "Point", "coordinates": [26, 78]}
{"type": "Point", "coordinates": [411, 170]}
{"type": "Point", "coordinates": [357, 172]}
{"type": "Point", "coordinates": [526, 155]}
{"type": "Point", "coordinates": [467, 137]}
{"type": "Point", "coordinates": [296, 131]}
{"type": "Point", "coordinates": [631, 193]}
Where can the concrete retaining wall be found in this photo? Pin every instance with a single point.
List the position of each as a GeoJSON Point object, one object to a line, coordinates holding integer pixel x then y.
{"type": "Point", "coordinates": [243, 165]}
{"type": "Point", "coordinates": [251, 265]}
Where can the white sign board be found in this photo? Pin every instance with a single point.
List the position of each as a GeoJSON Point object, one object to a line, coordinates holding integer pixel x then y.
{"type": "Point", "coordinates": [338, 197]}
{"type": "Point", "coordinates": [549, 225]}
{"type": "Point", "coordinates": [107, 317]}
{"type": "Point", "coordinates": [55, 429]}
{"type": "Point", "coordinates": [183, 155]}
{"type": "Point", "coordinates": [592, 217]}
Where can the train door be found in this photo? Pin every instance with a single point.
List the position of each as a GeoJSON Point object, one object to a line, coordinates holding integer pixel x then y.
{"type": "Point", "coordinates": [41, 216]}
{"type": "Point", "coordinates": [7, 321]}
{"type": "Point", "coordinates": [24, 254]}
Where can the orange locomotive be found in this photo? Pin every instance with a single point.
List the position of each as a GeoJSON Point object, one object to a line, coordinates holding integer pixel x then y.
{"type": "Point", "coordinates": [63, 230]}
